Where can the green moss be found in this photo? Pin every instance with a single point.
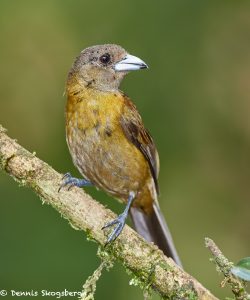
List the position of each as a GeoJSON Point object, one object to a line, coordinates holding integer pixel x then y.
{"type": "Point", "coordinates": [106, 257]}
{"type": "Point", "coordinates": [165, 266]}
{"type": "Point", "coordinates": [187, 292]}
{"type": "Point", "coordinates": [2, 162]}
{"type": "Point", "coordinates": [89, 286]}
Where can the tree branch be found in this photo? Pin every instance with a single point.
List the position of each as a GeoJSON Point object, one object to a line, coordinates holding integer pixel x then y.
{"type": "Point", "coordinates": [143, 259]}
{"type": "Point", "coordinates": [224, 266]}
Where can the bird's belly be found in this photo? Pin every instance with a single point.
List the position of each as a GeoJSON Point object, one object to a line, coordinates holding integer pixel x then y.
{"type": "Point", "coordinates": [108, 160]}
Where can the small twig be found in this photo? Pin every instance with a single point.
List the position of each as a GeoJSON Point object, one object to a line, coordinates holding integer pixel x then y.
{"type": "Point", "coordinates": [224, 266]}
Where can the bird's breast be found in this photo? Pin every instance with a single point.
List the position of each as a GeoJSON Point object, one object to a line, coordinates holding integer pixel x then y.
{"type": "Point", "coordinates": [99, 148]}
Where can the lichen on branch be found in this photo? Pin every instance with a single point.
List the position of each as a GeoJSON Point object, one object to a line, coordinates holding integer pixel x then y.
{"type": "Point", "coordinates": [224, 266]}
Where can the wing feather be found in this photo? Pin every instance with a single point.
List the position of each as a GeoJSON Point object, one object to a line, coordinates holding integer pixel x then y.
{"type": "Point", "coordinates": [135, 131]}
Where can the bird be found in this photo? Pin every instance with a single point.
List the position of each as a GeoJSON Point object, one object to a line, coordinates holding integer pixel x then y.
{"type": "Point", "coordinates": [109, 144]}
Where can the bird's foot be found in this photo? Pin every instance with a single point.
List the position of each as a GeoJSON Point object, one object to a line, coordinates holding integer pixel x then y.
{"type": "Point", "coordinates": [71, 181]}
{"type": "Point", "coordinates": [120, 221]}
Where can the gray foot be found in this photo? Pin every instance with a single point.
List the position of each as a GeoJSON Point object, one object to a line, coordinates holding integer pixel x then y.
{"type": "Point", "coordinates": [71, 181]}
{"type": "Point", "coordinates": [120, 221]}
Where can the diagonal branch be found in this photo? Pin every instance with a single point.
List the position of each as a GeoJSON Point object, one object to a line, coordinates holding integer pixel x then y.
{"type": "Point", "coordinates": [224, 266]}
{"type": "Point", "coordinates": [145, 260]}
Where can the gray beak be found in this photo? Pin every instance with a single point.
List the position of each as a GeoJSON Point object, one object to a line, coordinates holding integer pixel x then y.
{"type": "Point", "coordinates": [130, 63]}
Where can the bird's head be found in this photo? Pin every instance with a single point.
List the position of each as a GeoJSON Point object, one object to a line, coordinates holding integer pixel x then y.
{"type": "Point", "coordinates": [104, 66]}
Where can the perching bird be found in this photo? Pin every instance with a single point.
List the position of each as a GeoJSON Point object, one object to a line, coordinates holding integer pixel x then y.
{"type": "Point", "coordinates": [109, 144]}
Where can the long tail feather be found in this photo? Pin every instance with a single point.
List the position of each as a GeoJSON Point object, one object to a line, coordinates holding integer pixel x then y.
{"type": "Point", "coordinates": [154, 229]}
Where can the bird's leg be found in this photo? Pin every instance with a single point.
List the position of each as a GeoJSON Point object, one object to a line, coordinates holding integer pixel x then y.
{"type": "Point", "coordinates": [120, 221]}
{"type": "Point", "coordinates": [71, 181]}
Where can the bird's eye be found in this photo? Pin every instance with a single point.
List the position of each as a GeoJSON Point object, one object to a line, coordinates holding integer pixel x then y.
{"type": "Point", "coordinates": [105, 58]}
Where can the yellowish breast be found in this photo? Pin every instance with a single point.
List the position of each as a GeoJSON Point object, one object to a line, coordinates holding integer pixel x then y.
{"type": "Point", "coordinates": [98, 145]}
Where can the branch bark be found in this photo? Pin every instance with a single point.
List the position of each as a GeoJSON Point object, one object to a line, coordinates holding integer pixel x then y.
{"type": "Point", "coordinates": [143, 259]}
{"type": "Point", "coordinates": [224, 266]}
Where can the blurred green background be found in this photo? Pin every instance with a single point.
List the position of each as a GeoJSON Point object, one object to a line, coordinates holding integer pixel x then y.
{"type": "Point", "coordinates": [194, 99]}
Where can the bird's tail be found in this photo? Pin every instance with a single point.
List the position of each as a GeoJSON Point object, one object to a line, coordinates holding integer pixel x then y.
{"type": "Point", "coordinates": [154, 229]}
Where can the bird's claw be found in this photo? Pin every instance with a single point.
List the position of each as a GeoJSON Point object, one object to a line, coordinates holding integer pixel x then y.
{"type": "Point", "coordinates": [66, 175]}
{"type": "Point", "coordinates": [70, 181]}
{"type": "Point", "coordinates": [119, 223]}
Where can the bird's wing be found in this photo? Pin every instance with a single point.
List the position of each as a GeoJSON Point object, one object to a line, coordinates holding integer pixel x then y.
{"type": "Point", "coordinates": [136, 133]}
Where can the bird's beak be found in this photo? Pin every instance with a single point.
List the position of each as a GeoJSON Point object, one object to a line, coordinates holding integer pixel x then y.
{"type": "Point", "coordinates": [130, 63]}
